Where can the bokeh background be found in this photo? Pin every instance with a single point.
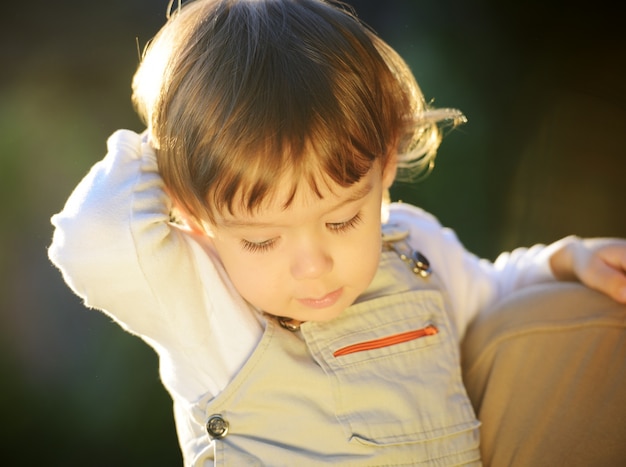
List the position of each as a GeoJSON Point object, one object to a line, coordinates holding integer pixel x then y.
{"type": "Point", "coordinates": [543, 155]}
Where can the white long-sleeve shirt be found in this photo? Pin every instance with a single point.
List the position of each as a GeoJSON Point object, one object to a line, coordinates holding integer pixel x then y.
{"type": "Point", "coordinates": [117, 250]}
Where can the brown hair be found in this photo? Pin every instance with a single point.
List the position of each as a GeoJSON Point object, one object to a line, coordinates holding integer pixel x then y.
{"type": "Point", "coordinates": [239, 93]}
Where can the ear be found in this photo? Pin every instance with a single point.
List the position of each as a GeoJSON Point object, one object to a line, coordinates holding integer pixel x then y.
{"type": "Point", "coordinates": [389, 171]}
{"type": "Point", "coordinates": [195, 227]}
{"type": "Point", "coordinates": [188, 221]}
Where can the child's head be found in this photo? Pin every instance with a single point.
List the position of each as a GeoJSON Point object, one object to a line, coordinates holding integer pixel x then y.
{"type": "Point", "coordinates": [244, 96]}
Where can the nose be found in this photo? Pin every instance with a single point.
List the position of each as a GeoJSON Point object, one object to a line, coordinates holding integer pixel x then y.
{"type": "Point", "coordinates": [311, 261]}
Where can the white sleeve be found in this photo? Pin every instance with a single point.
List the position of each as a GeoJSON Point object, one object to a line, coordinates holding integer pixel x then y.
{"type": "Point", "coordinates": [472, 283]}
{"type": "Point", "coordinates": [95, 243]}
{"type": "Point", "coordinates": [116, 249]}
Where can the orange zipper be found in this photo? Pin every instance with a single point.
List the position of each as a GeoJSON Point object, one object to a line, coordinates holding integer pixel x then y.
{"type": "Point", "coordinates": [429, 330]}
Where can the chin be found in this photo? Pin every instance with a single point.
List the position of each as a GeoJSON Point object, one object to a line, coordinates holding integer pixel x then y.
{"type": "Point", "coordinates": [325, 315]}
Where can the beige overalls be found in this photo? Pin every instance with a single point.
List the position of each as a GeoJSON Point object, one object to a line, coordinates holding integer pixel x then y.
{"type": "Point", "coordinates": [379, 385]}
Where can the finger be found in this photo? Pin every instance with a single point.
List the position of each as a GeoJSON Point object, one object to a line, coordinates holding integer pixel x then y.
{"type": "Point", "coordinates": [608, 278]}
{"type": "Point", "coordinates": [616, 257]}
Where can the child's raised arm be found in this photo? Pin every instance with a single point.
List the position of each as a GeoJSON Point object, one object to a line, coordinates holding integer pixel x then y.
{"type": "Point", "coordinates": [118, 251]}
{"type": "Point", "coordinates": [113, 222]}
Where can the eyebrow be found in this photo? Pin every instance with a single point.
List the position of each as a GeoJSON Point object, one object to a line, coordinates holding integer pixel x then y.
{"type": "Point", "coordinates": [359, 194]}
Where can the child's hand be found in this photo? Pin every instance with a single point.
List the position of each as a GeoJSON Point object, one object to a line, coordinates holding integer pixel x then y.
{"type": "Point", "coordinates": [599, 263]}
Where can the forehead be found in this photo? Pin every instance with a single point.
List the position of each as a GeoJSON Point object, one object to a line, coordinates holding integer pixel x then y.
{"type": "Point", "coordinates": [295, 197]}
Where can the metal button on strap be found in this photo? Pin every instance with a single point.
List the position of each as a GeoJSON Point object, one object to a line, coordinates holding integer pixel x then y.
{"type": "Point", "coordinates": [421, 265]}
{"type": "Point", "coordinates": [288, 324]}
{"type": "Point", "coordinates": [216, 427]}
{"type": "Point", "coordinates": [418, 263]}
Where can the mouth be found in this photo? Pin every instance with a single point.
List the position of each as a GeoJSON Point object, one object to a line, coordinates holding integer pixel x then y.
{"type": "Point", "coordinates": [323, 302]}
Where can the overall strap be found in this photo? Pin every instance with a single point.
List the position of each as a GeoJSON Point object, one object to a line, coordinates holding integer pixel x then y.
{"type": "Point", "coordinates": [395, 239]}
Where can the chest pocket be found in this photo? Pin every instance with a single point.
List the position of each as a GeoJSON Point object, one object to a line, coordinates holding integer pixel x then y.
{"type": "Point", "coordinates": [395, 376]}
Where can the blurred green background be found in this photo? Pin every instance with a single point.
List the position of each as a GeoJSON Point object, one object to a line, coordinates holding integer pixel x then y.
{"type": "Point", "coordinates": [543, 156]}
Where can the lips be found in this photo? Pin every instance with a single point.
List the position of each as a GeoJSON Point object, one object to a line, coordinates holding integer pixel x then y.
{"type": "Point", "coordinates": [323, 302]}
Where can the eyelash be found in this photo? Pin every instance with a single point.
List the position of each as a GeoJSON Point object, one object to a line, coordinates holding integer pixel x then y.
{"type": "Point", "coordinates": [257, 247]}
{"type": "Point", "coordinates": [339, 227]}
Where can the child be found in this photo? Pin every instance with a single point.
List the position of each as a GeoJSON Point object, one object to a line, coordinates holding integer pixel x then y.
{"type": "Point", "coordinates": [289, 330]}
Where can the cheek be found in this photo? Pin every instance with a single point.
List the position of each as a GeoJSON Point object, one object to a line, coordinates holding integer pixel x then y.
{"type": "Point", "coordinates": [253, 278]}
{"type": "Point", "coordinates": [371, 259]}
{"type": "Point", "coordinates": [240, 269]}
{"type": "Point", "coordinates": [242, 272]}
{"type": "Point", "coordinates": [362, 255]}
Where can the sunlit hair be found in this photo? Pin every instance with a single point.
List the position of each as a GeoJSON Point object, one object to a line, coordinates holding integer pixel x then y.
{"type": "Point", "coordinates": [241, 95]}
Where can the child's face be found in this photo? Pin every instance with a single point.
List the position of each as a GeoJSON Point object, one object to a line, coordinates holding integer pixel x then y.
{"type": "Point", "coordinates": [311, 260]}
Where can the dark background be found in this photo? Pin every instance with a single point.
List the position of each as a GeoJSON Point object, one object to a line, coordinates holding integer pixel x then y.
{"type": "Point", "coordinates": [543, 156]}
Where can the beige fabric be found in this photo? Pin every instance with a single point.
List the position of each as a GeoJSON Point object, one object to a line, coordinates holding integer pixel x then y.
{"type": "Point", "coordinates": [546, 372]}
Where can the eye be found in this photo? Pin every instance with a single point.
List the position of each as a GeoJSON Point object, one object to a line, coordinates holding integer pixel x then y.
{"type": "Point", "coordinates": [258, 247]}
{"type": "Point", "coordinates": [340, 227]}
